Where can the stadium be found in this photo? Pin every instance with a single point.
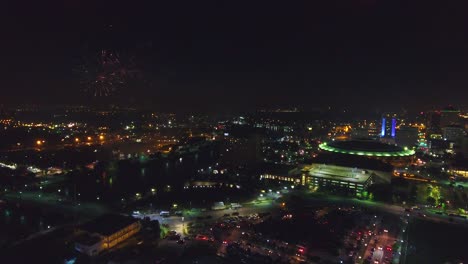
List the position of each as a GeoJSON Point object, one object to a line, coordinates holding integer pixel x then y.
{"type": "Point", "coordinates": [392, 154]}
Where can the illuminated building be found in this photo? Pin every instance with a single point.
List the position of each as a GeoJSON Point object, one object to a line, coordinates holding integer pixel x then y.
{"type": "Point", "coordinates": [352, 179]}
{"type": "Point", "coordinates": [368, 148]}
{"type": "Point", "coordinates": [330, 171]}
{"type": "Point", "coordinates": [389, 121]}
{"type": "Point", "coordinates": [281, 173]}
{"type": "Point", "coordinates": [395, 155]}
{"type": "Point", "coordinates": [104, 233]}
{"type": "Point", "coordinates": [459, 169]}
{"type": "Point", "coordinates": [281, 178]}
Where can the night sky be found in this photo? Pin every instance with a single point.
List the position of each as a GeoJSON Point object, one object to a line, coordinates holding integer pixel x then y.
{"type": "Point", "coordinates": [236, 55]}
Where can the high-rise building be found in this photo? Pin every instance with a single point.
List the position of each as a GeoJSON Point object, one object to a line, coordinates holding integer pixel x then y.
{"type": "Point", "coordinates": [407, 137]}
{"type": "Point", "coordinates": [389, 122]}
{"type": "Point", "coordinates": [433, 122]}
{"type": "Point", "coordinates": [449, 116]}
{"type": "Point", "coordinates": [365, 133]}
{"type": "Point", "coordinates": [453, 133]}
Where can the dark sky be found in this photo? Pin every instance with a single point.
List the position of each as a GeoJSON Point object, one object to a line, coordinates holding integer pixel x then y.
{"type": "Point", "coordinates": [220, 55]}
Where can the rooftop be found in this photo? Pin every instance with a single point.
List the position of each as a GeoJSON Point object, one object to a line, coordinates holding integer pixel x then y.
{"type": "Point", "coordinates": [365, 148]}
{"type": "Point", "coordinates": [108, 224]}
{"type": "Point", "coordinates": [353, 161]}
{"type": "Point", "coordinates": [338, 173]}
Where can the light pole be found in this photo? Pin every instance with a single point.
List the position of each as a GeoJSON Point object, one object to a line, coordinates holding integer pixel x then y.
{"type": "Point", "coordinates": [183, 226]}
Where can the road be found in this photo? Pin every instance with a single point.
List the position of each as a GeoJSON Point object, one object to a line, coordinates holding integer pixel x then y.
{"type": "Point", "coordinates": [424, 213]}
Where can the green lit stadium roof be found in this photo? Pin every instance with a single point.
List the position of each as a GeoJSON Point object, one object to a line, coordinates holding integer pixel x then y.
{"type": "Point", "coordinates": [366, 148]}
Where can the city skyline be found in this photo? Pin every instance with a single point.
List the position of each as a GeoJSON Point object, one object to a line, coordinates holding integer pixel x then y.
{"type": "Point", "coordinates": [234, 132]}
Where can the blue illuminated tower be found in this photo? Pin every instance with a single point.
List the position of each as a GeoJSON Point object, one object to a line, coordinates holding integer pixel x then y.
{"type": "Point", "coordinates": [389, 121]}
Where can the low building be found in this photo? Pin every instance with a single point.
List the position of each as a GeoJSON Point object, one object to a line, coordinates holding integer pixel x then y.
{"type": "Point", "coordinates": [282, 173]}
{"type": "Point", "coordinates": [352, 179]}
{"type": "Point", "coordinates": [459, 169]}
{"type": "Point", "coordinates": [105, 232]}
{"type": "Point", "coordinates": [339, 171]}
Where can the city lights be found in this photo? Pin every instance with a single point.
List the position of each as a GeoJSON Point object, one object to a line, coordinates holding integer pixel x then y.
{"type": "Point", "coordinates": [317, 132]}
{"type": "Point", "coordinates": [402, 153]}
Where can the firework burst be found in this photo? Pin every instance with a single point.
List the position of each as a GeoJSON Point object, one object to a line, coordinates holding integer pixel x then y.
{"type": "Point", "coordinates": [103, 76]}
